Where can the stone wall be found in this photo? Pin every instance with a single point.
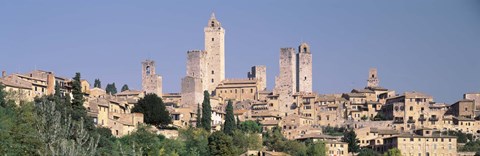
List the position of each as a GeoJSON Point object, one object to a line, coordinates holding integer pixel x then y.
{"type": "Point", "coordinates": [259, 72]}
{"type": "Point", "coordinates": [192, 93]}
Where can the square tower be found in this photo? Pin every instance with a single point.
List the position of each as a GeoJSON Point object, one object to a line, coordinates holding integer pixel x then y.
{"type": "Point", "coordinates": [304, 69]}
{"type": "Point", "coordinates": [151, 82]}
{"type": "Point", "coordinates": [372, 78]}
{"type": "Point", "coordinates": [260, 74]}
{"type": "Point", "coordinates": [215, 47]}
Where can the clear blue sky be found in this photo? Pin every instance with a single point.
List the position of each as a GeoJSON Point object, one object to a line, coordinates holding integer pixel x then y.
{"type": "Point", "coordinates": [431, 46]}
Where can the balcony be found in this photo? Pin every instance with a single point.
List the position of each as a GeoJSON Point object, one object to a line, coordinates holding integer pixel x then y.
{"type": "Point", "coordinates": [433, 119]}
{"type": "Point", "coordinates": [410, 121]}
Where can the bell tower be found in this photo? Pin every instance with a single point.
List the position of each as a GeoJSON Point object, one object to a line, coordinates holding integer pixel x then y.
{"type": "Point", "coordinates": [372, 78]}
{"type": "Point", "coordinates": [151, 82]}
{"type": "Point", "coordinates": [215, 48]}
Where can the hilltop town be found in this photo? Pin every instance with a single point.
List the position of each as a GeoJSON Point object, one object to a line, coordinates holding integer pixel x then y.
{"type": "Point", "coordinates": [382, 119]}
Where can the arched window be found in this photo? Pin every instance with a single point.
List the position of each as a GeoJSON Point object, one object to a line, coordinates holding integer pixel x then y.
{"type": "Point", "coordinates": [213, 23]}
{"type": "Point", "coordinates": [411, 108]}
{"type": "Point", "coordinates": [213, 72]}
{"type": "Point", "coordinates": [304, 49]}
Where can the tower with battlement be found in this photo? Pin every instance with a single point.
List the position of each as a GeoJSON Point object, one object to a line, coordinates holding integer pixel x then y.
{"type": "Point", "coordinates": [151, 82]}
{"type": "Point", "coordinates": [259, 73]}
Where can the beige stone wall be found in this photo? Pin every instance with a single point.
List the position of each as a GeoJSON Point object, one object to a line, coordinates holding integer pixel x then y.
{"type": "Point", "coordinates": [475, 97]}
{"type": "Point", "coordinates": [192, 92]}
{"type": "Point", "coordinates": [430, 145]}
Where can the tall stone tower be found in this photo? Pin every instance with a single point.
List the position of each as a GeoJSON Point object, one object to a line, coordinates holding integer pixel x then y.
{"type": "Point", "coordinates": [151, 82]}
{"type": "Point", "coordinates": [285, 82]}
{"type": "Point", "coordinates": [304, 68]}
{"type": "Point", "coordinates": [196, 80]}
{"type": "Point", "coordinates": [260, 73]}
{"type": "Point", "coordinates": [215, 47]}
{"type": "Point", "coordinates": [372, 78]}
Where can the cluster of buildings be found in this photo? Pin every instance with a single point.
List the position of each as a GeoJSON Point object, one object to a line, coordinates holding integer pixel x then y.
{"type": "Point", "coordinates": [381, 118]}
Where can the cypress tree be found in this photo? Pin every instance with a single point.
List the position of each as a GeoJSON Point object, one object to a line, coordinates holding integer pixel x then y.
{"type": "Point", "coordinates": [77, 91]}
{"type": "Point", "coordinates": [351, 138]}
{"type": "Point", "coordinates": [125, 87]}
{"type": "Point", "coordinates": [206, 112]}
{"type": "Point", "coordinates": [229, 124]}
{"type": "Point", "coordinates": [199, 116]}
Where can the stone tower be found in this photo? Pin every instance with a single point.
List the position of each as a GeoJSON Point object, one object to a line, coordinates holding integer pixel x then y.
{"type": "Point", "coordinates": [285, 82]}
{"type": "Point", "coordinates": [215, 47]}
{"type": "Point", "coordinates": [259, 73]}
{"type": "Point", "coordinates": [151, 82]}
{"type": "Point", "coordinates": [372, 78]}
{"type": "Point", "coordinates": [196, 80]}
{"type": "Point", "coordinates": [304, 68]}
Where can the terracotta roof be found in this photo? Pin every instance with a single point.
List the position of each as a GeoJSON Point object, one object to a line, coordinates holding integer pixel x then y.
{"type": "Point", "coordinates": [269, 122]}
{"type": "Point", "coordinates": [129, 92]}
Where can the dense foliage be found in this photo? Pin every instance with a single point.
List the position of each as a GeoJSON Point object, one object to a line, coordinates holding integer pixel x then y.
{"type": "Point", "coordinates": [393, 152]}
{"type": "Point", "coordinates": [111, 89]}
{"type": "Point", "coordinates": [461, 137]}
{"type": "Point", "coordinates": [125, 87]}
{"type": "Point", "coordinates": [97, 83]}
{"type": "Point", "coordinates": [274, 141]}
{"type": "Point", "coordinates": [351, 138]}
{"type": "Point", "coordinates": [472, 146]}
{"type": "Point", "coordinates": [154, 110]}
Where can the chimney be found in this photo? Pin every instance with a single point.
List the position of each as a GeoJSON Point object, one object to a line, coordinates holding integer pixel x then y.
{"type": "Point", "coordinates": [4, 74]}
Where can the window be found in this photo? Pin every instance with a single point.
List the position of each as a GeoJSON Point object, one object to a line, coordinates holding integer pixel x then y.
{"type": "Point", "coordinates": [213, 39]}
{"type": "Point", "coordinates": [212, 80]}
{"type": "Point", "coordinates": [213, 72]}
{"type": "Point", "coordinates": [411, 108]}
{"type": "Point", "coordinates": [213, 24]}
{"type": "Point", "coordinates": [251, 90]}
{"type": "Point", "coordinates": [148, 70]}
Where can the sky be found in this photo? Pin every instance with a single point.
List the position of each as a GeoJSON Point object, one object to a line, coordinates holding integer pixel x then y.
{"type": "Point", "coordinates": [430, 46]}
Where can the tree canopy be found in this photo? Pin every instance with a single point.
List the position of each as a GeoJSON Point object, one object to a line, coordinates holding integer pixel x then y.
{"type": "Point", "coordinates": [154, 110]}
{"type": "Point", "coordinates": [111, 89]}
{"type": "Point", "coordinates": [393, 152]}
{"type": "Point", "coordinates": [220, 144]}
{"type": "Point", "coordinates": [97, 83]}
{"type": "Point", "coordinates": [125, 87]}
{"type": "Point", "coordinates": [351, 138]}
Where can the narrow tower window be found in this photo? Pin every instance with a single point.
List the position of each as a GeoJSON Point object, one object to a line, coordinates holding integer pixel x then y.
{"type": "Point", "coordinates": [305, 49]}
{"type": "Point", "coordinates": [148, 70]}
{"type": "Point", "coordinates": [213, 72]}
{"type": "Point", "coordinates": [213, 39]}
{"type": "Point", "coordinates": [213, 24]}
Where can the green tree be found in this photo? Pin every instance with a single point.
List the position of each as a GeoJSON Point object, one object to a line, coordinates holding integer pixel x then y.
{"type": "Point", "coordinates": [78, 111]}
{"type": "Point", "coordinates": [125, 87]}
{"type": "Point", "coordinates": [351, 138]}
{"type": "Point", "coordinates": [206, 112]}
{"type": "Point", "coordinates": [367, 152]}
{"type": "Point", "coordinates": [196, 141]}
{"type": "Point", "coordinates": [142, 142]}
{"type": "Point", "coordinates": [250, 126]}
{"type": "Point", "coordinates": [393, 152]}
{"type": "Point", "coordinates": [199, 117]}
{"type": "Point", "coordinates": [229, 124]}
{"type": "Point", "coordinates": [154, 110]}
{"type": "Point", "coordinates": [111, 89]}
{"type": "Point", "coordinates": [364, 118]}
{"type": "Point", "coordinates": [97, 83]}
{"type": "Point", "coordinates": [3, 101]}
{"type": "Point", "coordinates": [220, 144]}
{"type": "Point", "coordinates": [317, 149]}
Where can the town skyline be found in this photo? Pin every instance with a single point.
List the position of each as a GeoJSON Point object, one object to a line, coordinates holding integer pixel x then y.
{"type": "Point", "coordinates": [98, 57]}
